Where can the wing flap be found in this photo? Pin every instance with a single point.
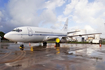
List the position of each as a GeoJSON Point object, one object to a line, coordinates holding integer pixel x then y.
{"type": "Point", "coordinates": [47, 38]}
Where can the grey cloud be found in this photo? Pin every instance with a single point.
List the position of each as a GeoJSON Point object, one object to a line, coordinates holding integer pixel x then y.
{"type": "Point", "coordinates": [24, 12]}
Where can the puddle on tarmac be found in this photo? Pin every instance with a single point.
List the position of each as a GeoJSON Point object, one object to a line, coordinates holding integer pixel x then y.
{"type": "Point", "coordinates": [65, 57]}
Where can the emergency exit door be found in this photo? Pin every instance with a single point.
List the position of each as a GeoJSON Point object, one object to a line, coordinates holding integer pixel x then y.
{"type": "Point", "coordinates": [30, 32]}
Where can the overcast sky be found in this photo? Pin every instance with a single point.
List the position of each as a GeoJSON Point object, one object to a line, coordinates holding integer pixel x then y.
{"type": "Point", "coordinates": [82, 14]}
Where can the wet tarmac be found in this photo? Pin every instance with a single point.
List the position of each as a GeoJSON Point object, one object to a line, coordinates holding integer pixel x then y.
{"type": "Point", "coordinates": [65, 57]}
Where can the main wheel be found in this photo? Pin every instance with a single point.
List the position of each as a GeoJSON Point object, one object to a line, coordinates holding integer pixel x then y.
{"type": "Point", "coordinates": [44, 44]}
{"type": "Point", "coordinates": [57, 44]}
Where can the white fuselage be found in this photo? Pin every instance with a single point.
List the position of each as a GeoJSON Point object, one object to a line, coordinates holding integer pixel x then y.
{"type": "Point", "coordinates": [33, 34]}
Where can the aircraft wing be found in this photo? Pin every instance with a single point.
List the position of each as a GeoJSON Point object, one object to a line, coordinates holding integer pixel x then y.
{"type": "Point", "coordinates": [53, 38]}
{"type": "Point", "coordinates": [47, 38]}
{"type": "Point", "coordinates": [83, 34]}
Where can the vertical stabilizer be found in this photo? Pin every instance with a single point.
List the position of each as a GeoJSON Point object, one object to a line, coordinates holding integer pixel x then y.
{"type": "Point", "coordinates": [65, 25]}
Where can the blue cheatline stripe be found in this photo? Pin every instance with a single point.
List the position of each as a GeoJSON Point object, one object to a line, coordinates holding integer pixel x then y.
{"type": "Point", "coordinates": [44, 34]}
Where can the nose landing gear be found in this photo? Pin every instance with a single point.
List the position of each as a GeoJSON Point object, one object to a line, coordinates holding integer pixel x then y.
{"type": "Point", "coordinates": [21, 47]}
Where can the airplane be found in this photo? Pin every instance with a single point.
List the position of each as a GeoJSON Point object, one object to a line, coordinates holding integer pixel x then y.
{"type": "Point", "coordinates": [29, 34]}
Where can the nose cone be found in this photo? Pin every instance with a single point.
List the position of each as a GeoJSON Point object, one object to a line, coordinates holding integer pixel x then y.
{"type": "Point", "coordinates": [12, 36]}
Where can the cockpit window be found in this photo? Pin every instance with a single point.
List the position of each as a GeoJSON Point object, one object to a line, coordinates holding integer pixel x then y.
{"type": "Point", "coordinates": [17, 30]}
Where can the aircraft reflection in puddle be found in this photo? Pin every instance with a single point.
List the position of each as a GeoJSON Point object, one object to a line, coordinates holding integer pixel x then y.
{"type": "Point", "coordinates": [57, 50]}
{"type": "Point", "coordinates": [88, 51]}
{"type": "Point", "coordinates": [29, 61]}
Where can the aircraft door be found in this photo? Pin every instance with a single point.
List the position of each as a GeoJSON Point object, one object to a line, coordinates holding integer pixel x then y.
{"type": "Point", "coordinates": [30, 32]}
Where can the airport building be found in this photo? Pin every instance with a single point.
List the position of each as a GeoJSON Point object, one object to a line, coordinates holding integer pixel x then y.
{"type": "Point", "coordinates": [81, 37]}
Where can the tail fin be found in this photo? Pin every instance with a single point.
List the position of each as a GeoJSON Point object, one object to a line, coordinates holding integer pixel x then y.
{"type": "Point", "coordinates": [65, 25]}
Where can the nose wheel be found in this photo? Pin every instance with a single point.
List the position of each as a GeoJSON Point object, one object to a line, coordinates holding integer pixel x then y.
{"type": "Point", "coordinates": [21, 47]}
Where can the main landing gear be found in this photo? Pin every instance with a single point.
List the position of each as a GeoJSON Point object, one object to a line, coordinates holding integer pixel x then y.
{"type": "Point", "coordinates": [57, 44]}
{"type": "Point", "coordinates": [44, 44]}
